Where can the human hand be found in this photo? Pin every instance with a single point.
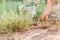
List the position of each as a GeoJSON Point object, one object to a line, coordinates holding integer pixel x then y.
{"type": "Point", "coordinates": [44, 16]}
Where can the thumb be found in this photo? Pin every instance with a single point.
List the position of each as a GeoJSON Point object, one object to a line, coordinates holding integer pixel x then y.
{"type": "Point", "coordinates": [46, 17]}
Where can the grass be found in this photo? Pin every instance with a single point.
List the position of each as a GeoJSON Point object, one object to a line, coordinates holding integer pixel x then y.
{"type": "Point", "coordinates": [40, 8]}
{"type": "Point", "coordinates": [11, 18]}
{"type": "Point", "coordinates": [8, 6]}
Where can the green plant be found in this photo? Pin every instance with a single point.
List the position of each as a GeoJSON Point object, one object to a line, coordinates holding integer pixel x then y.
{"type": "Point", "coordinates": [40, 8]}
{"type": "Point", "coordinates": [10, 20]}
{"type": "Point", "coordinates": [1, 0]}
{"type": "Point", "coordinates": [40, 5]}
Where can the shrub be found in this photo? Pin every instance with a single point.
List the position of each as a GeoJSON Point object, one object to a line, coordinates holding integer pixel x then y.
{"type": "Point", "coordinates": [40, 4]}
{"type": "Point", "coordinates": [15, 18]}
{"type": "Point", "coordinates": [1, 0]}
{"type": "Point", "coordinates": [11, 20]}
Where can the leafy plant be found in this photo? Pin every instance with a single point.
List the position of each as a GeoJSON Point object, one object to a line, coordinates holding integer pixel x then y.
{"type": "Point", "coordinates": [12, 18]}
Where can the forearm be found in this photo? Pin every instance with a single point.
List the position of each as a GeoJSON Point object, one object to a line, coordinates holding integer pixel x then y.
{"type": "Point", "coordinates": [45, 14]}
{"type": "Point", "coordinates": [48, 6]}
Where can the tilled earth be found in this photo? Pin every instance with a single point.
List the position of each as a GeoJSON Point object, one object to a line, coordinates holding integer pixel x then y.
{"type": "Point", "coordinates": [37, 33]}
{"type": "Point", "coordinates": [33, 34]}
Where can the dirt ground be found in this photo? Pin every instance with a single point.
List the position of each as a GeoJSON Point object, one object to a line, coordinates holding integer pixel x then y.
{"type": "Point", "coordinates": [33, 34]}
{"type": "Point", "coordinates": [36, 33]}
